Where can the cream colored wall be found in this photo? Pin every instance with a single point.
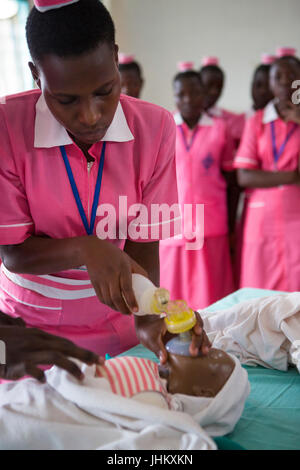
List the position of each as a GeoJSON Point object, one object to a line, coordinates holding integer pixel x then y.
{"type": "Point", "coordinates": [162, 32]}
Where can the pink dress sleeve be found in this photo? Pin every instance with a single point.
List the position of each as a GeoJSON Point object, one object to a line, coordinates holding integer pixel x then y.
{"type": "Point", "coordinates": [16, 223]}
{"type": "Point", "coordinates": [247, 154]}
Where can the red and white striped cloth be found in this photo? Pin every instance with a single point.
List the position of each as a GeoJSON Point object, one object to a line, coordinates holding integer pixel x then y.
{"type": "Point", "coordinates": [128, 376]}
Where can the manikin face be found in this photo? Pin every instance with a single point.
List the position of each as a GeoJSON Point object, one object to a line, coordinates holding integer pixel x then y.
{"type": "Point", "coordinates": [261, 93]}
{"type": "Point", "coordinates": [81, 92]}
{"type": "Point", "coordinates": [202, 376]}
{"type": "Point", "coordinates": [282, 75]}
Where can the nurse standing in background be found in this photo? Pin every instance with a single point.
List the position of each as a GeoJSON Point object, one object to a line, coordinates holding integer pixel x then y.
{"type": "Point", "coordinates": [204, 155]}
{"type": "Point", "coordinates": [213, 79]}
{"type": "Point", "coordinates": [268, 166]}
{"type": "Point", "coordinates": [260, 87]}
{"type": "Point", "coordinates": [132, 80]}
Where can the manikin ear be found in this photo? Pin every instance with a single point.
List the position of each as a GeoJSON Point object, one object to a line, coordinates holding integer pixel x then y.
{"type": "Point", "coordinates": [35, 73]}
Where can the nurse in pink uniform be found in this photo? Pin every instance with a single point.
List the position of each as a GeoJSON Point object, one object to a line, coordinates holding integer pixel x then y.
{"type": "Point", "coordinates": [260, 86]}
{"type": "Point", "coordinates": [203, 152]}
{"type": "Point", "coordinates": [268, 166]}
{"type": "Point", "coordinates": [79, 163]}
{"type": "Point", "coordinates": [213, 79]}
{"type": "Point", "coordinates": [131, 75]}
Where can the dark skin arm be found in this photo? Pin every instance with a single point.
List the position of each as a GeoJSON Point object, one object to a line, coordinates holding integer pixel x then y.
{"type": "Point", "coordinates": [27, 348]}
{"type": "Point", "coordinates": [266, 179]}
{"type": "Point", "coordinates": [151, 330]}
{"type": "Point", "coordinates": [109, 268]}
{"type": "Point", "coordinates": [233, 194]}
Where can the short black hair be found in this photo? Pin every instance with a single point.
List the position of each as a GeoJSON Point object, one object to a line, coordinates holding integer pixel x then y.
{"type": "Point", "coordinates": [134, 66]}
{"type": "Point", "coordinates": [69, 31]}
{"type": "Point", "coordinates": [212, 68]}
{"type": "Point", "coordinates": [188, 74]}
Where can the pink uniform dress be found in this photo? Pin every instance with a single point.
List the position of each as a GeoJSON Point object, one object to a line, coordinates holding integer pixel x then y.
{"type": "Point", "coordinates": [37, 199]}
{"type": "Point", "coordinates": [204, 275]}
{"type": "Point", "coordinates": [235, 122]}
{"type": "Point", "coordinates": [270, 254]}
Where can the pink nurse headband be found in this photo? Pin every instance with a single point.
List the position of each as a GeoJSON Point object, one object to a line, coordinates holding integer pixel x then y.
{"type": "Point", "coordinates": [267, 59]}
{"type": "Point", "coordinates": [210, 60]}
{"type": "Point", "coordinates": [126, 58]}
{"type": "Point", "coordinates": [45, 5]}
{"type": "Point", "coordinates": [185, 66]}
{"type": "Point", "coordinates": [284, 51]}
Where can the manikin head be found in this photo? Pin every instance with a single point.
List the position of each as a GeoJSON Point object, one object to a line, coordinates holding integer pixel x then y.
{"type": "Point", "coordinates": [202, 376]}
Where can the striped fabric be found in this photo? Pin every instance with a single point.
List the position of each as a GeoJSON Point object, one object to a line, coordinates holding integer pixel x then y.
{"type": "Point", "coordinates": [128, 376]}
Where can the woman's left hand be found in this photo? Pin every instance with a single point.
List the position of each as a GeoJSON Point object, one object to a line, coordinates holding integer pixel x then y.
{"type": "Point", "coordinates": [6, 320]}
{"type": "Point", "coordinates": [152, 333]}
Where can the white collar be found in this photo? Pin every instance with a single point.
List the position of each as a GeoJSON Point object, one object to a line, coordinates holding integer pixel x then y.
{"type": "Point", "coordinates": [48, 132]}
{"type": "Point", "coordinates": [270, 114]}
{"type": "Point", "coordinates": [215, 111]}
{"type": "Point", "coordinates": [205, 120]}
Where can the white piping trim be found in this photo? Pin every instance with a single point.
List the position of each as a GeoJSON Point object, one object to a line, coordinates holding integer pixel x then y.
{"type": "Point", "coordinates": [47, 291]}
{"type": "Point", "coordinates": [246, 160]}
{"type": "Point", "coordinates": [256, 204]}
{"type": "Point", "coordinates": [26, 303]}
{"type": "Point", "coordinates": [158, 223]}
{"type": "Point", "coordinates": [16, 225]}
{"type": "Point", "coordinates": [62, 280]}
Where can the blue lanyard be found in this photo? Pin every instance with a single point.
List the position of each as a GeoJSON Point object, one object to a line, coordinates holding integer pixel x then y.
{"type": "Point", "coordinates": [188, 147]}
{"type": "Point", "coordinates": [277, 153]}
{"type": "Point", "coordinates": [89, 228]}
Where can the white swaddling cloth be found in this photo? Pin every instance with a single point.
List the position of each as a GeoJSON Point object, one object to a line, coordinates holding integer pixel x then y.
{"type": "Point", "coordinates": [219, 415]}
{"type": "Point", "coordinates": [66, 414]}
{"type": "Point", "coordinates": [263, 331]}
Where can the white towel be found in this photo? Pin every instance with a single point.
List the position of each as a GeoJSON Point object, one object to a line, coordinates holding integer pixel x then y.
{"type": "Point", "coordinates": [219, 415]}
{"type": "Point", "coordinates": [65, 414]}
{"type": "Point", "coordinates": [263, 331]}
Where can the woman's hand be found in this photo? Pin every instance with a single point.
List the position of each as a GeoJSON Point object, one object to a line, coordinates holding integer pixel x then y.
{"type": "Point", "coordinates": [27, 348]}
{"type": "Point", "coordinates": [152, 333]}
{"type": "Point", "coordinates": [6, 320]}
{"type": "Point", "coordinates": [110, 270]}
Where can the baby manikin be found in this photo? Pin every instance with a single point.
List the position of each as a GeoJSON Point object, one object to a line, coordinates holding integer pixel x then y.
{"type": "Point", "coordinates": [211, 388]}
{"type": "Point", "coordinates": [144, 380]}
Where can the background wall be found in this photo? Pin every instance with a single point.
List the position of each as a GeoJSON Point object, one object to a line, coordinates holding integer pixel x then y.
{"type": "Point", "coordinates": [162, 32]}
